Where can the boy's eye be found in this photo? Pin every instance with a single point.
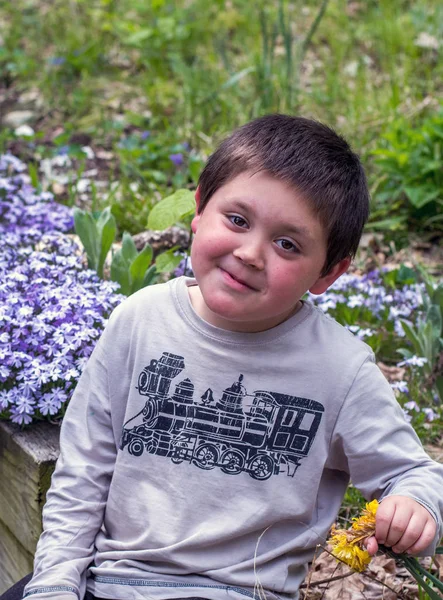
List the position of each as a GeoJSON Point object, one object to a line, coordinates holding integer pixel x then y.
{"type": "Point", "coordinates": [287, 245]}
{"type": "Point", "coordinates": [237, 220]}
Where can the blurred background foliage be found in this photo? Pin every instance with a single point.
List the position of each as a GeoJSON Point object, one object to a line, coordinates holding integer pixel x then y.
{"type": "Point", "coordinates": [155, 85]}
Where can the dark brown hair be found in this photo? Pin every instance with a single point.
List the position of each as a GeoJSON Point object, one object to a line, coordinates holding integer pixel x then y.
{"type": "Point", "coordinates": [307, 155]}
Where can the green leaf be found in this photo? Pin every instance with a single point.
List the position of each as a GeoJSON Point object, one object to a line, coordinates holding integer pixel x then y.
{"type": "Point", "coordinates": [195, 167]}
{"type": "Point", "coordinates": [120, 273]}
{"type": "Point", "coordinates": [86, 228]}
{"type": "Point", "coordinates": [137, 38]}
{"type": "Point", "coordinates": [150, 276]}
{"type": "Point", "coordinates": [167, 262]}
{"type": "Point", "coordinates": [439, 386]}
{"type": "Point", "coordinates": [394, 223]}
{"type": "Point", "coordinates": [129, 249]}
{"type": "Point", "coordinates": [33, 173]}
{"type": "Point", "coordinates": [139, 267]}
{"type": "Point", "coordinates": [427, 343]}
{"type": "Point", "coordinates": [433, 316]}
{"type": "Point", "coordinates": [416, 568]}
{"type": "Point", "coordinates": [412, 336]}
{"type": "Point", "coordinates": [420, 195]}
{"type": "Point", "coordinates": [406, 275]}
{"type": "Point", "coordinates": [237, 77]}
{"type": "Point", "coordinates": [437, 296]}
{"type": "Point", "coordinates": [107, 228]}
{"type": "Point", "coordinates": [171, 210]}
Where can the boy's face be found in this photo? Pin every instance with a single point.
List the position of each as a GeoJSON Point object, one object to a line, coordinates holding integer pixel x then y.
{"type": "Point", "coordinates": [257, 249]}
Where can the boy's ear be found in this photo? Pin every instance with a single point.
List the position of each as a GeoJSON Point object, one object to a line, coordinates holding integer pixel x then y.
{"type": "Point", "coordinates": [196, 219]}
{"type": "Point", "coordinates": [197, 197]}
{"type": "Point", "coordinates": [322, 284]}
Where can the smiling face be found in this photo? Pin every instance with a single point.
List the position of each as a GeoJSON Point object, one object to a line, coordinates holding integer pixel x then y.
{"type": "Point", "coordinates": [257, 249]}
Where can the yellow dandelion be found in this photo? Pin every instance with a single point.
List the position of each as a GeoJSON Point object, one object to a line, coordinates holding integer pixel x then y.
{"type": "Point", "coordinates": [364, 526]}
{"type": "Point", "coordinates": [371, 508]}
{"type": "Point", "coordinates": [352, 555]}
{"type": "Point", "coordinates": [347, 544]}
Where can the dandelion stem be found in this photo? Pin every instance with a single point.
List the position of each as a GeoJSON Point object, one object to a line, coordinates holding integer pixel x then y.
{"type": "Point", "coordinates": [322, 581]}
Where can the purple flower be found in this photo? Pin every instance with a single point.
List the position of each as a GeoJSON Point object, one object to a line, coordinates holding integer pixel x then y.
{"type": "Point", "coordinates": [184, 268]}
{"type": "Point", "coordinates": [430, 414]}
{"type": "Point", "coordinates": [145, 134]}
{"type": "Point", "coordinates": [177, 159]}
{"type": "Point", "coordinates": [52, 310]}
{"type": "Point", "coordinates": [412, 405]}
{"type": "Point", "coordinates": [56, 61]}
{"type": "Point", "coordinates": [63, 150]}
{"type": "Point", "coordinates": [401, 386]}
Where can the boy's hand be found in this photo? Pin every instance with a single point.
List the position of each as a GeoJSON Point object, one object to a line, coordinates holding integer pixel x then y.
{"type": "Point", "coordinates": [402, 524]}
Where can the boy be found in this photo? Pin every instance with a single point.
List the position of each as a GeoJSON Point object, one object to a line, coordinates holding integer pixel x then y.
{"type": "Point", "coordinates": [212, 435]}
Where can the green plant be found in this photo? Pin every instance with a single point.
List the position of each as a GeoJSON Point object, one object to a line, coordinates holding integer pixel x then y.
{"type": "Point", "coordinates": [352, 504]}
{"type": "Point", "coordinates": [409, 163]}
{"type": "Point", "coordinates": [279, 84]}
{"type": "Point", "coordinates": [173, 209]}
{"type": "Point", "coordinates": [426, 335]}
{"type": "Point", "coordinates": [132, 269]}
{"type": "Point", "coordinates": [427, 582]}
{"type": "Point", "coordinates": [155, 158]}
{"type": "Point", "coordinates": [96, 235]}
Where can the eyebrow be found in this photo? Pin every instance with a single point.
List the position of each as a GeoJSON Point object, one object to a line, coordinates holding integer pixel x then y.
{"type": "Point", "coordinates": [289, 228]}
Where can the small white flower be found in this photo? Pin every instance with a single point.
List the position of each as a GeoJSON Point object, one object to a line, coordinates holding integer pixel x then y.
{"type": "Point", "coordinates": [407, 416]}
{"type": "Point", "coordinates": [89, 152]}
{"type": "Point", "coordinates": [83, 185]}
{"type": "Point", "coordinates": [351, 68]}
{"type": "Point", "coordinates": [425, 40]}
{"type": "Point", "coordinates": [24, 131]}
{"type": "Point", "coordinates": [414, 361]}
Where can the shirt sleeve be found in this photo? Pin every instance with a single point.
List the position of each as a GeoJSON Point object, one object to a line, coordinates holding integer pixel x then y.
{"type": "Point", "coordinates": [373, 442]}
{"type": "Point", "coordinates": [73, 513]}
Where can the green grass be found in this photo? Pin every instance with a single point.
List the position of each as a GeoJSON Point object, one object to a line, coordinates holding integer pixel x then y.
{"type": "Point", "coordinates": [361, 66]}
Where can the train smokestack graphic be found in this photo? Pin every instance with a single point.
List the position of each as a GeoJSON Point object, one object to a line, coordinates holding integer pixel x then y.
{"type": "Point", "coordinates": [269, 438]}
{"type": "Point", "coordinates": [157, 377]}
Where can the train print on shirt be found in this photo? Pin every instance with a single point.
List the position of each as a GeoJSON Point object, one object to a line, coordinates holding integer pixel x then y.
{"type": "Point", "coordinates": [262, 434]}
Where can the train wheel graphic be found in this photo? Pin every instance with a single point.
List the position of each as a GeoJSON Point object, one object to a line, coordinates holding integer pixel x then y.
{"type": "Point", "coordinates": [135, 447]}
{"type": "Point", "coordinates": [206, 456]}
{"type": "Point", "coordinates": [179, 453]}
{"type": "Point", "coordinates": [232, 461]}
{"type": "Point", "coordinates": [261, 467]}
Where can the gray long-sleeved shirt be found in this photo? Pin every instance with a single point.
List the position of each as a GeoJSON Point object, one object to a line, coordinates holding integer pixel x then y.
{"type": "Point", "coordinates": [202, 462]}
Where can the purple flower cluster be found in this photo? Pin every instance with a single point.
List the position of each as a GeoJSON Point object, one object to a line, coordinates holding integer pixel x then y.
{"type": "Point", "coordinates": [52, 310]}
{"type": "Point", "coordinates": [365, 305]}
{"type": "Point", "coordinates": [369, 293]}
{"type": "Point", "coordinates": [23, 210]}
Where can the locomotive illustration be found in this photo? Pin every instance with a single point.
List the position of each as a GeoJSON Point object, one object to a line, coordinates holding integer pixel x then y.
{"type": "Point", "coordinates": [263, 434]}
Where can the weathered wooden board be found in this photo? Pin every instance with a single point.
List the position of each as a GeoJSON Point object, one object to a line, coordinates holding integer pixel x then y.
{"type": "Point", "coordinates": [27, 459]}
{"type": "Point", "coordinates": [15, 561]}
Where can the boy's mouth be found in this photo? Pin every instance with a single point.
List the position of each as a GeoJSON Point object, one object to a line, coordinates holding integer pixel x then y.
{"type": "Point", "coordinates": [241, 282]}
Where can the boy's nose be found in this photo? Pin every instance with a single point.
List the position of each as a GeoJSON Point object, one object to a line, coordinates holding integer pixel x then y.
{"type": "Point", "coordinates": [250, 254]}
